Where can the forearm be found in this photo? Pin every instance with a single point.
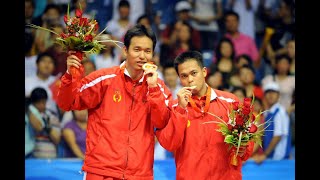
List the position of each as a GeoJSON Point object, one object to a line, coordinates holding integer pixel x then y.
{"type": "Point", "coordinates": [171, 136]}
{"type": "Point", "coordinates": [159, 110]}
{"type": "Point", "coordinates": [76, 150]}
{"type": "Point", "coordinates": [55, 136]}
{"type": "Point", "coordinates": [275, 140]}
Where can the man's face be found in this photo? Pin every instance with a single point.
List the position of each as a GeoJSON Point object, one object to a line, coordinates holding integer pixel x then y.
{"type": "Point", "coordinates": [231, 24]}
{"type": "Point", "coordinates": [139, 52]}
{"type": "Point", "coordinates": [191, 74]}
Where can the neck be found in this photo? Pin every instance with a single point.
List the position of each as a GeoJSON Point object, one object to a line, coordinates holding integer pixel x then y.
{"type": "Point", "coordinates": [134, 74]}
{"type": "Point", "coordinates": [42, 76]}
{"type": "Point", "coordinates": [234, 34]}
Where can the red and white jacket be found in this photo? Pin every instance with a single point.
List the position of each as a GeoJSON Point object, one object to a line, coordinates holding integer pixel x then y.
{"type": "Point", "coordinates": [122, 116]}
{"type": "Point", "coordinates": [199, 149]}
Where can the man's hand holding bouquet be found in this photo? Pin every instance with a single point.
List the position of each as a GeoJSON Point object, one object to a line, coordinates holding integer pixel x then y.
{"type": "Point", "coordinates": [80, 37]}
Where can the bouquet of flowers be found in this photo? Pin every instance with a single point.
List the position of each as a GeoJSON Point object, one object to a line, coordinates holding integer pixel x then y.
{"type": "Point", "coordinates": [241, 128]}
{"type": "Point", "coordinates": [81, 36]}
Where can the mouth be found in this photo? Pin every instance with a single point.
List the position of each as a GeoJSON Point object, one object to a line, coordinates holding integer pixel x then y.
{"type": "Point", "coordinates": [140, 63]}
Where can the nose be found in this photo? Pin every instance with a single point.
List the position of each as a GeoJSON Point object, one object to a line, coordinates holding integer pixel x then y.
{"type": "Point", "coordinates": [190, 79]}
{"type": "Point", "coordinates": [142, 55]}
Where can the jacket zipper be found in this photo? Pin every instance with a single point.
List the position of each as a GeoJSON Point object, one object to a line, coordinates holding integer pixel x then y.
{"type": "Point", "coordinates": [133, 95]}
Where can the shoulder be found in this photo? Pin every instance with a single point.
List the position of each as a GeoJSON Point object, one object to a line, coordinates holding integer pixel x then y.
{"type": "Point", "coordinates": [69, 125]}
{"type": "Point", "coordinates": [106, 72]}
{"type": "Point", "coordinates": [226, 96]}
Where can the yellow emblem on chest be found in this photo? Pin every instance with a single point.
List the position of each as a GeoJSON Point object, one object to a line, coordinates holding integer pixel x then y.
{"type": "Point", "coordinates": [117, 96]}
{"type": "Point", "coordinates": [189, 123]}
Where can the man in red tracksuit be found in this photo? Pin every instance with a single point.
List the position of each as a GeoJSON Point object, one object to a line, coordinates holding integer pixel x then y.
{"type": "Point", "coordinates": [199, 149]}
{"type": "Point", "coordinates": [123, 110]}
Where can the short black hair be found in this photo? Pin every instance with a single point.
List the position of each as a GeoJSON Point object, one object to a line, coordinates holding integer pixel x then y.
{"type": "Point", "coordinates": [41, 55]}
{"type": "Point", "coordinates": [124, 3]}
{"type": "Point", "coordinates": [186, 56]}
{"type": "Point", "coordinates": [246, 57]}
{"type": "Point", "coordinates": [38, 94]}
{"type": "Point", "coordinates": [231, 13]}
{"type": "Point", "coordinates": [143, 16]}
{"type": "Point", "coordinates": [218, 51]}
{"type": "Point", "coordinates": [240, 88]}
{"type": "Point", "coordinates": [139, 30]}
{"type": "Point", "coordinates": [250, 67]}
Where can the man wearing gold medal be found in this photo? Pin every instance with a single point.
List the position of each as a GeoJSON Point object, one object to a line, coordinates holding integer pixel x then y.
{"type": "Point", "coordinates": [199, 149]}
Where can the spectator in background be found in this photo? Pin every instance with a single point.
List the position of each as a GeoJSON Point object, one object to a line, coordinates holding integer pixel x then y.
{"type": "Point", "coordinates": [247, 77]}
{"type": "Point", "coordinates": [284, 27]}
{"type": "Point", "coordinates": [30, 66]}
{"type": "Point", "coordinates": [182, 41]}
{"type": "Point", "coordinates": [277, 135]}
{"type": "Point", "coordinates": [118, 26]}
{"type": "Point", "coordinates": [243, 43]}
{"type": "Point", "coordinates": [216, 80]}
{"type": "Point", "coordinates": [171, 79]}
{"type": "Point", "coordinates": [57, 52]}
{"type": "Point", "coordinates": [46, 126]}
{"type": "Point", "coordinates": [224, 59]}
{"type": "Point", "coordinates": [107, 57]}
{"type": "Point", "coordinates": [246, 10]}
{"type": "Point", "coordinates": [51, 17]}
{"type": "Point", "coordinates": [240, 92]}
{"type": "Point", "coordinates": [74, 134]}
{"type": "Point", "coordinates": [291, 51]}
{"type": "Point", "coordinates": [29, 136]}
{"type": "Point", "coordinates": [283, 78]}
{"type": "Point", "coordinates": [240, 60]}
{"type": "Point", "coordinates": [43, 78]}
{"type": "Point", "coordinates": [137, 8]}
{"type": "Point", "coordinates": [169, 34]}
{"type": "Point", "coordinates": [29, 7]}
{"type": "Point", "coordinates": [205, 15]}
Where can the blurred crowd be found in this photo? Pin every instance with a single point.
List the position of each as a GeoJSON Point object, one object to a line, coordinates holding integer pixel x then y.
{"type": "Point", "coordinates": [248, 47]}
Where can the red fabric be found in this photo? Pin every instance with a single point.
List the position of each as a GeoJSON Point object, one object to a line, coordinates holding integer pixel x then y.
{"type": "Point", "coordinates": [200, 150]}
{"type": "Point", "coordinates": [92, 176]}
{"type": "Point", "coordinates": [121, 121]}
{"type": "Point", "coordinates": [54, 87]}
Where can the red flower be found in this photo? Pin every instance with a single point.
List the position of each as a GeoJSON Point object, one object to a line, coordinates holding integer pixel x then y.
{"type": "Point", "coordinates": [88, 37]}
{"type": "Point", "coordinates": [239, 120]}
{"type": "Point", "coordinates": [253, 117]}
{"type": "Point", "coordinates": [246, 110]}
{"type": "Point", "coordinates": [235, 105]}
{"type": "Point", "coordinates": [247, 102]}
{"type": "Point", "coordinates": [65, 18]}
{"type": "Point", "coordinates": [78, 13]}
{"type": "Point", "coordinates": [253, 128]}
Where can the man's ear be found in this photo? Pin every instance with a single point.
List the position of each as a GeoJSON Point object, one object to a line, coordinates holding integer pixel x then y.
{"type": "Point", "coordinates": [205, 71]}
{"type": "Point", "coordinates": [124, 50]}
